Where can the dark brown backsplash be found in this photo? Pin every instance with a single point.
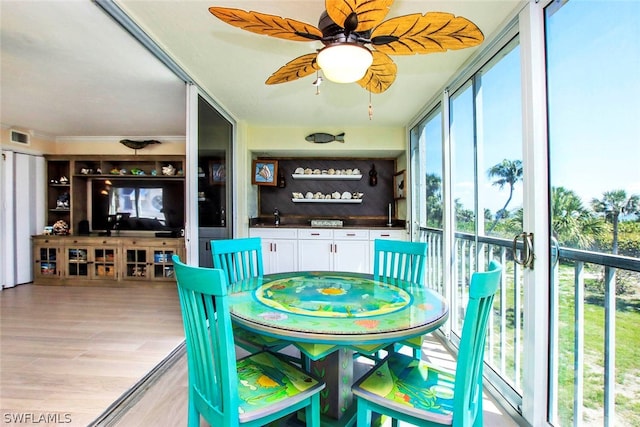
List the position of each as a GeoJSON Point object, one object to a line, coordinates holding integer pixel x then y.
{"type": "Point", "coordinates": [374, 204]}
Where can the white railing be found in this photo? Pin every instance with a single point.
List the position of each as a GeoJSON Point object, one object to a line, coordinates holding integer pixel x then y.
{"type": "Point", "coordinates": [504, 344]}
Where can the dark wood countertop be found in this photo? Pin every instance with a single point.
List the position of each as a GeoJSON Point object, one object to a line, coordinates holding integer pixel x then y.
{"type": "Point", "coordinates": [306, 223]}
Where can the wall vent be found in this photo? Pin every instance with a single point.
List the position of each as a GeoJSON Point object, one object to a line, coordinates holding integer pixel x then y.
{"type": "Point", "coordinates": [19, 137]}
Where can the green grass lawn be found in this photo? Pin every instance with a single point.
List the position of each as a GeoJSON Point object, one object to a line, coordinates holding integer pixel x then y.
{"type": "Point", "coordinates": [627, 399]}
{"type": "Point", "coordinates": [627, 346]}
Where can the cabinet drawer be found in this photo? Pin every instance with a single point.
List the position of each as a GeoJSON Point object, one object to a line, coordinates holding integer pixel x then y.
{"type": "Point", "coordinates": [315, 233]}
{"type": "Point", "coordinates": [274, 233]}
{"type": "Point", "coordinates": [388, 234]}
{"type": "Point", "coordinates": [351, 234]}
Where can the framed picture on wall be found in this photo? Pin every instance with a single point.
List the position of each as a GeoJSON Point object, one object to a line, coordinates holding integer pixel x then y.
{"type": "Point", "coordinates": [400, 185]}
{"type": "Point", "coordinates": [217, 172]}
{"type": "Point", "coordinates": [264, 172]}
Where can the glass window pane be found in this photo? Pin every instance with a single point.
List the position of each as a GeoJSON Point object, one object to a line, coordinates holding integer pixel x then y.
{"type": "Point", "coordinates": [463, 158]}
{"type": "Point", "coordinates": [500, 144]}
{"type": "Point", "coordinates": [593, 63]}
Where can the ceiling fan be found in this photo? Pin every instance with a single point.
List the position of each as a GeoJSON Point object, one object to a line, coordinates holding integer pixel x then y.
{"type": "Point", "coordinates": [347, 28]}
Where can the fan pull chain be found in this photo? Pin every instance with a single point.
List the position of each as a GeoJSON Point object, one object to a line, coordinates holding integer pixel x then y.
{"type": "Point", "coordinates": [317, 82]}
{"type": "Point", "coordinates": [370, 107]}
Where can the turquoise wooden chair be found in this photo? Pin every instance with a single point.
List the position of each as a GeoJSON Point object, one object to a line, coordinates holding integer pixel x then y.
{"type": "Point", "coordinates": [398, 259]}
{"type": "Point", "coordinates": [252, 391]}
{"type": "Point", "coordinates": [416, 392]}
{"type": "Point", "coordinates": [241, 259]}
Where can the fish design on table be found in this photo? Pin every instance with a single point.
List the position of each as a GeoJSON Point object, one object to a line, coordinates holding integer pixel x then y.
{"type": "Point", "coordinates": [322, 138]}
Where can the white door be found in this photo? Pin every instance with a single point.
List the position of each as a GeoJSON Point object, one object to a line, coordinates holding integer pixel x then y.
{"type": "Point", "coordinates": [23, 214]}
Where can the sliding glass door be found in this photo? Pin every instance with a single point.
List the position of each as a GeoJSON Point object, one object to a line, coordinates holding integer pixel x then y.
{"type": "Point", "coordinates": [209, 188]}
{"type": "Point", "coordinates": [486, 196]}
{"type": "Point", "coordinates": [537, 165]}
{"type": "Point", "coordinates": [594, 181]}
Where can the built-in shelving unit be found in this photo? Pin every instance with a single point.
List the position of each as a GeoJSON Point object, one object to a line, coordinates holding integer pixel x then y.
{"type": "Point", "coordinates": [312, 183]}
{"type": "Point", "coordinates": [69, 177]}
{"type": "Point", "coordinates": [116, 260]}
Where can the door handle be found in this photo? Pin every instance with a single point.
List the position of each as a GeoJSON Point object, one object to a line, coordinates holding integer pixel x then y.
{"type": "Point", "coordinates": [555, 252]}
{"type": "Point", "coordinates": [528, 256]}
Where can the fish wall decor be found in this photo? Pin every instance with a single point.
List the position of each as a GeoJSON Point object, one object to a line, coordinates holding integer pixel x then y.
{"type": "Point", "coordinates": [323, 138]}
{"type": "Point", "coordinates": [138, 145]}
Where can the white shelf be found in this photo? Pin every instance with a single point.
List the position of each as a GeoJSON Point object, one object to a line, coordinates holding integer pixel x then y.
{"type": "Point", "coordinates": [326, 176]}
{"type": "Point", "coordinates": [326, 200]}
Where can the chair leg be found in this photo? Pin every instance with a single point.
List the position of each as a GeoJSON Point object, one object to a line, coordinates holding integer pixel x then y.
{"type": "Point", "coordinates": [312, 412]}
{"type": "Point", "coordinates": [479, 420]}
{"type": "Point", "coordinates": [193, 416]}
{"type": "Point", "coordinates": [364, 414]}
{"type": "Point", "coordinates": [417, 353]}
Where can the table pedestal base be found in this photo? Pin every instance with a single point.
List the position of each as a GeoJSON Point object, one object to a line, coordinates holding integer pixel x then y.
{"type": "Point", "coordinates": [336, 370]}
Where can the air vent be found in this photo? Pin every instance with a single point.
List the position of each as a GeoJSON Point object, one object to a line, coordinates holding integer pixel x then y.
{"type": "Point", "coordinates": [18, 137]}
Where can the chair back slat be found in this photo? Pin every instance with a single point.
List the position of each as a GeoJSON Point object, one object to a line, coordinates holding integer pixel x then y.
{"type": "Point", "coordinates": [468, 385]}
{"type": "Point", "coordinates": [240, 259]}
{"type": "Point", "coordinates": [209, 340]}
{"type": "Point", "coordinates": [397, 259]}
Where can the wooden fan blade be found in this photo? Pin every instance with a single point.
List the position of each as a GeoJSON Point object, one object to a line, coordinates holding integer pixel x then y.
{"type": "Point", "coordinates": [428, 33]}
{"type": "Point", "coordinates": [300, 67]}
{"type": "Point", "coordinates": [369, 13]}
{"type": "Point", "coordinates": [380, 75]}
{"type": "Point", "coordinates": [270, 25]}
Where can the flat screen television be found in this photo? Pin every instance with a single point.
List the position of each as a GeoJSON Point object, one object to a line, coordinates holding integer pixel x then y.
{"type": "Point", "coordinates": [137, 204]}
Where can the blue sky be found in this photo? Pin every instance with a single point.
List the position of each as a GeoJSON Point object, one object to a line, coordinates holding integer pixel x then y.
{"type": "Point", "coordinates": [594, 99]}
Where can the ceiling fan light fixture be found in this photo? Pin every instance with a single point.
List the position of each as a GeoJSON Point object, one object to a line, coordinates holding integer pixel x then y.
{"type": "Point", "coordinates": [344, 62]}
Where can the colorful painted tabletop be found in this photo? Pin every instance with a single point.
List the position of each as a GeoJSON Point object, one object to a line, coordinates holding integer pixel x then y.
{"type": "Point", "coordinates": [327, 309]}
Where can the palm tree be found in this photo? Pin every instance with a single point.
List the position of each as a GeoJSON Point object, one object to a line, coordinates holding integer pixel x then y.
{"type": "Point", "coordinates": [573, 225]}
{"type": "Point", "coordinates": [434, 200]}
{"type": "Point", "coordinates": [612, 205]}
{"type": "Point", "coordinates": [508, 172]}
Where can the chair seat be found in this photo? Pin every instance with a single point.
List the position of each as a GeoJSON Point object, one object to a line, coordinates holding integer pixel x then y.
{"type": "Point", "coordinates": [406, 385]}
{"type": "Point", "coordinates": [267, 385]}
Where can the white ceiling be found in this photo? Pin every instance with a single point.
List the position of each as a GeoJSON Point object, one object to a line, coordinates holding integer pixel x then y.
{"type": "Point", "coordinates": [68, 69]}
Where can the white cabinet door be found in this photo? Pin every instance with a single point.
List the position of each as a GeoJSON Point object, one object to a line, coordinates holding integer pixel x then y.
{"type": "Point", "coordinates": [351, 250]}
{"type": "Point", "coordinates": [268, 257]}
{"type": "Point", "coordinates": [279, 248]}
{"type": "Point", "coordinates": [283, 256]}
{"type": "Point", "coordinates": [315, 255]}
{"type": "Point", "coordinates": [315, 249]}
{"type": "Point", "coordinates": [351, 255]}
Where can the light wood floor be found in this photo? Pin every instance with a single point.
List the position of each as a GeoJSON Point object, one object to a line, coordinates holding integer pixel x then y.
{"type": "Point", "coordinates": [73, 351]}
{"type": "Point", "coordinates": [70, 352]}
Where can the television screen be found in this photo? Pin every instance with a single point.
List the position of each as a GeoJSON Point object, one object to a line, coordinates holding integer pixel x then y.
{"type": "Point", "coordinates": [142, 205]}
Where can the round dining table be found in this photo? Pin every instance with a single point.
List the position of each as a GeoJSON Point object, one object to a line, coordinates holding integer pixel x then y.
{"type": "Point", "coordinates": [329, 315]}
